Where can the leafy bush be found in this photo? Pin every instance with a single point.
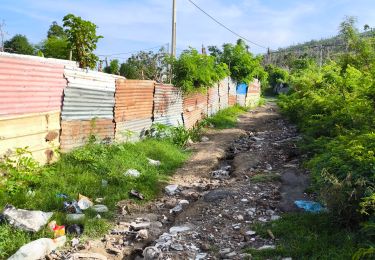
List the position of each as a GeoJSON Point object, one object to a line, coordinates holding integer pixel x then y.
{"type": "Point", "coordinates": [334, 107]}
{"type": "Point", "coordinates": [19, 170]}
{"type": "Point", "coordinates": [177, 135]}
{"type": "Point", "coordinates": [195, 72]}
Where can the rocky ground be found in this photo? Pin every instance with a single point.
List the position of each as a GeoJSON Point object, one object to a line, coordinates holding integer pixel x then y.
{"type": "Point", "coordinates": [234, 179]}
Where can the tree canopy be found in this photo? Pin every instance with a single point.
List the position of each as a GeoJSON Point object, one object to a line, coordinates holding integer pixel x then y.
{"type": "Point", "coordinates": [82, 38]}
{"type": "Point", "coordinates": [19, 44]}
{"type": "Point", "coordinates": [193, 71]}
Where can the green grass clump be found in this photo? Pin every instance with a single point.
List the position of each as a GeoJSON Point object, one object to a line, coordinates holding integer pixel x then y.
{"type": "Point", "coordinates": [81, 172]}
{"type": "Point", "coordinates": [265, 177]}
{"type": "Point", "coordinates": [226, 118]}
{"type": "Point", "coordinates": [307, 236]}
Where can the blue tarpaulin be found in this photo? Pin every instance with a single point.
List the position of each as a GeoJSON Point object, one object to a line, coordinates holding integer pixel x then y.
{"type": "Point", "coordinates": [241, 89]}
{"type": "Point", "coordinates": [309, 206]}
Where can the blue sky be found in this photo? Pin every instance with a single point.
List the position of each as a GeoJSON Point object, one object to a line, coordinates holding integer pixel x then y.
{"type": "Point", "coordinates": [131, 25]}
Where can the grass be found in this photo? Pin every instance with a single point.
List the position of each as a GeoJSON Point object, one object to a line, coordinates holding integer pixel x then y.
{"type": "Point", "coordinates": [307, 236]}
{"type": "Point", "coordinates": [82, 172]}
{"type": "Point", "coordinates": [265, 177]}
{"type": "Point", "coordinates": [226, 118]}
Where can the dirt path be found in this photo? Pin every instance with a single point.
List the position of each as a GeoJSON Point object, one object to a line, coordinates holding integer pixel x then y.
{"type": "Point", "coordinates": [236, 178]}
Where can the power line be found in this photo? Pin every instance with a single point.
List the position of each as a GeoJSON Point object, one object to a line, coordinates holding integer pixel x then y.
{"type": "Point", "coordinates": [221, 24]}
{"type": "Point", "coordinates": [130, 52]}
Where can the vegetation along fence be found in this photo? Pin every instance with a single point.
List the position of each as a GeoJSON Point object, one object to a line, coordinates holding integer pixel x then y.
{"type": "Point", "coordinates": [49, 105]}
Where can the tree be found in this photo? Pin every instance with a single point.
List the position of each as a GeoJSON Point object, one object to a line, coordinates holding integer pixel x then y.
{"type": "Point", "coordinates": [194, 72]}
{"type": "Point", "coordinates": [113, 68]}
{"type": "Point", "coordinates": [82, 39]}
{"type": "Point", "coordinates": [146, 65]}
{"type": "Point", "coordinates": [55, 30]}
{"type": "Point", "coordinates": [19, 44]}
{"type": "Point", "coordinates": [54, 47]}
{"type": "Point", "coordinates": [243, 66]}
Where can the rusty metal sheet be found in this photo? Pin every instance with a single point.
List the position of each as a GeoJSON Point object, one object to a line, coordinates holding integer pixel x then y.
{"type": "Point", "coordinates": [76, 133]}
{"type": "Point", "coordinates": [168, 105]}
{"type": "Point", "coordinates": [89, 95]}
{"type": "Point", "coordinates": [194, 108]}
{"type": "Point", "coordinates": [134, 99]}
{"type": "Point", "coordinates": [39, 132]}
{"type": "Point", "coordinates": [132, 130]}
{"type": "Point", "coordinates": [232, 100]}
{"type": "Point", "coordinates": [30, 84]}
{"type": "Point", "coordinates": [254, 87]}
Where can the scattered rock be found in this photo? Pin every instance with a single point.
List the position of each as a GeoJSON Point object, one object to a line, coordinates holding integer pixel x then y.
{"type": "Point", "coordinates": [153, 162]}
{"type": "Point", "coordinates": [99, 208]}
{"type": "Point", "coordinates": [217, 195]}
{"type": "Point", "coordinates": [142, 234]}
{"type": "Point", "coordinates": [205, 139]}
{"type": "Point", "coordinates": [75, 217]}
{"type": "Point", "coordinates": [151, 253]}
{"type": "Point", "coordinates": [171, 189]}
{"type": "Point", "coordinates": [176, 209]}
{"type": "Point", "coordinates": [250, 233]}
{"type": "Point", "coordinates": [138, 226]}
{"type": "Point", "coordinates": [132, 173]}
{"type": "Point", "coordinates": [275, 217]}
{"type": "Point", "coordinates": [177, 247]}
{"type": "Point", "coordinates": [75, 242]}
{"type": "Point", "coordinates": [179, 229]}
{"type": "Point", "coordinates": [265, 247]}
{"type": "Point", "coordinates": [77, 256]}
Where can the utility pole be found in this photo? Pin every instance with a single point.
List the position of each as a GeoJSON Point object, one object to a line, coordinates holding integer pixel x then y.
{"type": "Point", "coordinates": [173, 51]}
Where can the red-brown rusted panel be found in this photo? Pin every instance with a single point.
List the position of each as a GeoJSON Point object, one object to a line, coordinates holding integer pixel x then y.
{"type": "Point", "coordinates": [133, 99]}
{"type": "Point", "coordinates": [76, 133]}
{"type": "Point", "coordinates": [30, 85]}
{"type": "Point", "coordinates": [254, 87]}
{"type": "Point", "coordinates": [195, 108]}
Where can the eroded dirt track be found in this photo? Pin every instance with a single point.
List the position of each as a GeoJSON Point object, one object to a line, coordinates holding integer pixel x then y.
{"type": "Point", "coordinates": [236, 178]}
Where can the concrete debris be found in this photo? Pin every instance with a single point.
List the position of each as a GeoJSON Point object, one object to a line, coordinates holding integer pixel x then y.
{"type": "Point", "coordinates": [28, 220]}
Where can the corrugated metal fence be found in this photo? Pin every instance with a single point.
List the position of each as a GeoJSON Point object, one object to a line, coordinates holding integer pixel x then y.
{"type": "Point", "coordinates": [168, 105]}
{"type": "Point", "coordinates": [31, 93]}
{"type": "Point", "coordinates": [134, 108]}
{"type": "Point", "coordinates": [87, 108]}
{"type": "Point", "coordinates": [47, 104]}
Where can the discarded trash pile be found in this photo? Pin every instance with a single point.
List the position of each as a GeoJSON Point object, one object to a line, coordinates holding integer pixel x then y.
{"type": "Point", "coordinates": [35, 221]}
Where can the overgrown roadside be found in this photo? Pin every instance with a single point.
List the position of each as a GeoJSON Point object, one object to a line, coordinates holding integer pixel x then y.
{"type": "Point", "coordinates": [227, 201]}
